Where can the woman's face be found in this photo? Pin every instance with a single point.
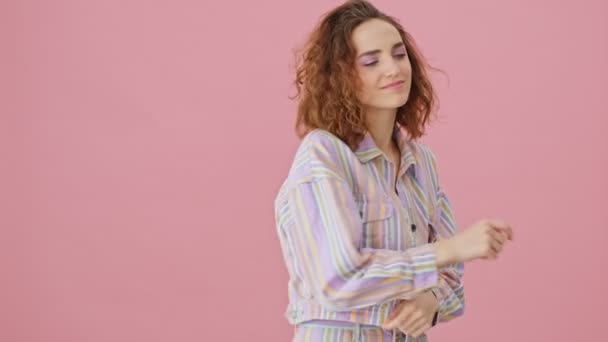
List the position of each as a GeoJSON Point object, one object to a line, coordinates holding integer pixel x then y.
{"type": "Point", "coordinates": [382, 64]}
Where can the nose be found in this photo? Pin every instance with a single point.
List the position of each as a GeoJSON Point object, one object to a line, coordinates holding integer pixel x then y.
{"type": "Point", "coordinates": [391, 68]}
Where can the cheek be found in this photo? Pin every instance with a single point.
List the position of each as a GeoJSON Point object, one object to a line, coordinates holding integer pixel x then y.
{"type": "Point", "coordinates": [406, 70]}
{"type": "Point", "coordinates": [368, 86]}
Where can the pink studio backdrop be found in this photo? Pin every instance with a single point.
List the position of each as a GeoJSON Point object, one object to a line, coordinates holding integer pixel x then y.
{"type": "Point", "coordinates": [143, 143]}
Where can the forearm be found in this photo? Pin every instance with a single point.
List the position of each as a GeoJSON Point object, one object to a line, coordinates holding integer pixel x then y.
{"type": "Point", "coordinates": [377, 276]}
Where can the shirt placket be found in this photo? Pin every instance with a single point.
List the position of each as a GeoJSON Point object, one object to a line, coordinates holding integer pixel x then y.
{"type": "Point", "coordinates": [405, 212]}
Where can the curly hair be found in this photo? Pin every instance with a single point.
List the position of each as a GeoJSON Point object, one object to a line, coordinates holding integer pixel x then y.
{"type": "Point", "coordinates": [327, 82]}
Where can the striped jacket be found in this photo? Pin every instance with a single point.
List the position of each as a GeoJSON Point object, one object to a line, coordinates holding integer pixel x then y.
{"type": "Point", "coordinates": [355, 242]}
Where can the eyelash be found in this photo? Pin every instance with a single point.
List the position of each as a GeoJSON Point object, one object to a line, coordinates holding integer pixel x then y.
{"type": "Point", "coordinates": [399, 56]}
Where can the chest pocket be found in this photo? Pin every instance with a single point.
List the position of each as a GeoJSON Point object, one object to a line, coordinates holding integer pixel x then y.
{"type": "Point", "coordinates": [378, 216]}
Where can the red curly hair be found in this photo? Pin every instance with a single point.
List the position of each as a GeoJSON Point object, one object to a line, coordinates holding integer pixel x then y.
{"type": "Point", "coordinates": [326, 78]}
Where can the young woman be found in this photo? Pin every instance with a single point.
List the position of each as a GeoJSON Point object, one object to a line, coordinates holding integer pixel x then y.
{"type": "Point", "coordinates": [367, 232]}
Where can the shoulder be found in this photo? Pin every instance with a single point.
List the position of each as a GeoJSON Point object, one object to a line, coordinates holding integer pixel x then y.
{"type": "Point", "coordinates": [320, 154]}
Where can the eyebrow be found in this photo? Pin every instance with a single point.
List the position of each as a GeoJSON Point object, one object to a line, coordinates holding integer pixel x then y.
{"type": "Point", "coordinates": [374, 52]}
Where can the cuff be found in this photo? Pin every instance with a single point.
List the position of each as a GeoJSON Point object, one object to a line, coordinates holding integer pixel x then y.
{"type": "Point", "coordinates": [426, 274]}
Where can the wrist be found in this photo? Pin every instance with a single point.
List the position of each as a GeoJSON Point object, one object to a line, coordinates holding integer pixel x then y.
{"type": "Point", "coordinates": [445, 252]}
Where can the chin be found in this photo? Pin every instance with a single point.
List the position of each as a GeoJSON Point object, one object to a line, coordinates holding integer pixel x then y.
{"type": "Point", "coordinates": [393, 102]}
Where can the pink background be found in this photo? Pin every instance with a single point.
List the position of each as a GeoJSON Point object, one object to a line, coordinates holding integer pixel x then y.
{"type": "Point", "coordinates": [143, 143]}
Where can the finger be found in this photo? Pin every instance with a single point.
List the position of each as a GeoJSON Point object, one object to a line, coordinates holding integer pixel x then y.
{"type": "Point", "coordinates": [497, 238]}
{"type": "Point", "coordinates": [510, 233]}
{"type": "Point", "coordinates": [421, 330]}
{"type": "Point", "coordinates": [414, 325]}
{"type": "Point", "coordinates": [405, 320]}
{"type": "Point", "coordinates": [498, 224]}
{"type": "Point", "coordinates": [395, 313]}
{"type": "Point", "coordinates": [496, 246]}
{"type": "Point", "coordinates": [500, 236]}
{"type": "Point", "coordinates": [502, 226]}
{"type": "Point", "coordinates": [389, 324]}
{"type": "Point", "coordinates": [412, 321]}
{"type": "Point", "coordinates": [395, 322]}
{"type": "Point", "coordinates": [392, 322]}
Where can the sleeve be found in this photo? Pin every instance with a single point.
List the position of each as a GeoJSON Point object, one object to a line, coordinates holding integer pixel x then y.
{"type": "Point", "coordinates": [326, 234]}
{"type": "Point", "coordinates": [450, 290]}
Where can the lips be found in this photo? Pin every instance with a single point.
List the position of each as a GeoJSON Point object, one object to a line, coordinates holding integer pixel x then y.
{"type": "Point", "coordinates": [393, 85]}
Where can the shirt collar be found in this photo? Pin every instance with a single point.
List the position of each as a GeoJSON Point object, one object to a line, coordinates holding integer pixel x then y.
{"type": "Point", "coordinates": [368, 150]}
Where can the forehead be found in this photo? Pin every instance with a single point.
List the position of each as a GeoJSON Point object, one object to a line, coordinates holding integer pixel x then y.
{"type": "Point", "coordinates": [375, 34]}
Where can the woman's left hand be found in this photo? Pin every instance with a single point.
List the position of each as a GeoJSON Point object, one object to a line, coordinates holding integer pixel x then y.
{"type": "Point", "coordinates": [413, 316]}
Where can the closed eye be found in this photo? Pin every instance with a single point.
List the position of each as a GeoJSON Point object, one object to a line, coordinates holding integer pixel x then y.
{"type": "Point", "coordinates": [398, 56]}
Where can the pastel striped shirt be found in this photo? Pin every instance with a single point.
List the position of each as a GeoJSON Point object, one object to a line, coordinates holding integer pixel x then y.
{"type": "Point", "coordinates": [354, 241]}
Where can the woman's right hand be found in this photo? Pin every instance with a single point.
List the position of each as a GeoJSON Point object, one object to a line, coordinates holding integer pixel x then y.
{"type": "Point", "coordinates": [483, 240]}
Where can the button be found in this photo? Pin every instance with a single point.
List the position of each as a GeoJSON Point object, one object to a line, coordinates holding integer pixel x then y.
{"type": "Point", "coordinates": [413, 227]}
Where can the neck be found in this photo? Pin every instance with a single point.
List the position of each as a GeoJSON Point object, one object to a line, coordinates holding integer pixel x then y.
{"type": "Point", "coordinates": [381, 123]}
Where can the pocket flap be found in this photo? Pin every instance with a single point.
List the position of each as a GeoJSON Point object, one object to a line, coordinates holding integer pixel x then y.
{"type": "Point", "coordinates": [374, 208]}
